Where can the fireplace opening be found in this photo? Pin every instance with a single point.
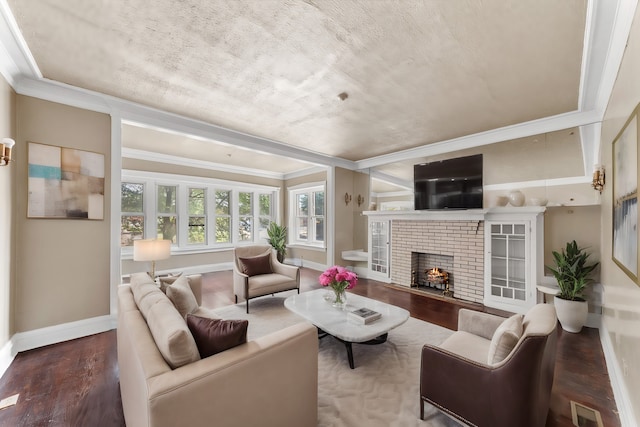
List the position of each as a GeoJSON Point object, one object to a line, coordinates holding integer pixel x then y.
{"type": "Point", "coordinates": [432, 273]}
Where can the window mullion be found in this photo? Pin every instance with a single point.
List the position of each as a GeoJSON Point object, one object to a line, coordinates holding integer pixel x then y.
{"type": "Point", "coordinates": [150, 210]}
{"type": "Point", "coordinates": [182, 212]}
{"type": "Point", "coordinates": [210, 216]}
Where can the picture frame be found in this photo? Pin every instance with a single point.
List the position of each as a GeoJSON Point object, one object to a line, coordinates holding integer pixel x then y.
{"type": "Point", "coordinates": [625, 196]}
{"type": "Point", "coordinates": [65, 183]}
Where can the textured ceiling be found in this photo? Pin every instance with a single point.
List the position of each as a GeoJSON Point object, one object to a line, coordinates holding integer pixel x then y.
{"type": "Point", "coordinates": [416, 72]}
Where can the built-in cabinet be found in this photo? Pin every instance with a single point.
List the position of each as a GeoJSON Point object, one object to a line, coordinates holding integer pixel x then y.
{"type": "Point", "coordinates": [513, 259]}
{"type": "Point", "coordinates": [379, 249]}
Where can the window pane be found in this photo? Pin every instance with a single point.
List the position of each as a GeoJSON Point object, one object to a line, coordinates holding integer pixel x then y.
{"type": "Point", "coordinates": [167, 199]}
{"type": "Point", "coordinates": [246, 228]}
{"type": "Point", "coordinates": [222, 202]}
{"type": "Point", "coordinates": [319, 229]}
{"type": "Point", "coordinates": [302, 225]}
{"type": "Point", "coordinates": [302, 204]}
{"type": "Point", "coordinates": [167, 228]}
{"type": "Point", "coordinates": [197, 230]}
{"type": "Point", "coordinates": [132, 197]}
{"type": "Point", "coordinates": [244, 203]}
{"type": "Point", "coordinates": [131, 228]}
{"type": "Point", "coordinates": [265, 204]}
{"type": "Point", "coordinates": [223, 230]}
{"type": "Point", "coordinates": [319, 203]}
{"type": "Point", "coordinates": [196, 201]}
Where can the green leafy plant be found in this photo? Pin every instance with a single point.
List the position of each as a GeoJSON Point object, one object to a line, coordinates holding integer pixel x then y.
{"type": "Point", "coordinates": [572, 271]}
{"type": "Point", "coordinates": [278, 239]}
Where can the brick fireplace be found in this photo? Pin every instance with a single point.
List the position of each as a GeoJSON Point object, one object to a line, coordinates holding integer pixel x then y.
{"type": "Point", "coordinates": [463, 240]}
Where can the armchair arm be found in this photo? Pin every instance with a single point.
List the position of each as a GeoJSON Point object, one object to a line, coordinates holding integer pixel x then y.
{"type": "Point", "coordinates": [240, 282]}
{"type": "Point", "coordinates": [478, 323]}
{"type": "Point", "coordinates": [233, 387]}
{"type": "Point", "coordinates": [290, 271]}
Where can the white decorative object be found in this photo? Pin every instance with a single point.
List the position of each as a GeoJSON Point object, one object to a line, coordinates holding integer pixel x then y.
{"type": "Point", "coordinates": [571, 314]}
{"type": "Point", "coordinates": [501, 200]}
{"type": "Point", "coordinates": [516, 198]}
{"type": "Point", "coordinates": [538, 201]}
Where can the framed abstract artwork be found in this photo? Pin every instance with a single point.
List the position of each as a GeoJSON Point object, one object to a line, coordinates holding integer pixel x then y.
{"type": "Point", "coordinates": [625, 197]}
{"type": "Point", "coordinates": [65, 183]}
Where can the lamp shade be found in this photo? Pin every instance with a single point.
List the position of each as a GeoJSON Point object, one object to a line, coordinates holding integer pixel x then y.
{"type": "Point", "coordinates": [151, 249]}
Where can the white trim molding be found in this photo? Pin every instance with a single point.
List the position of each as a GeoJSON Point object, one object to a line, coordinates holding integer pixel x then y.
{"type": "Point", "coordinates": [616, 378]}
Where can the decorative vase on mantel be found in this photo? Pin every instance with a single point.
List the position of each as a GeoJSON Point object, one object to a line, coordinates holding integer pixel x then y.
{"type": "Point", "coordinates": [516, 198]}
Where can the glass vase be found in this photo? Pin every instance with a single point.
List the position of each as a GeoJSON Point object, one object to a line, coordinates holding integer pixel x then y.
{"type": "Point", "coordinates": [340, 300]}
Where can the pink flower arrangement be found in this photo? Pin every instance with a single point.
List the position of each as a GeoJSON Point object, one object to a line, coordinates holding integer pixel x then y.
{"type": "Point", "coordinates": [339, 278]}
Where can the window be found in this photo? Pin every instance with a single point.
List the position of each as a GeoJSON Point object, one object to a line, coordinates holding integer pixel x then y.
{"type": "Point", "coordinates": [307, 214]}
{"type": "Point", "coordinates": [223, 217]}
{"type": "Point", "coordinates": [132, 218]}
{"type": "Point", "coordinates": [195, 213]}
{"type": "Point", "coordinates": [245, 230]}
{"type": "Point", "coordinates": [197, 216]}
{"type": "Point", "coordinates": [167, 212]}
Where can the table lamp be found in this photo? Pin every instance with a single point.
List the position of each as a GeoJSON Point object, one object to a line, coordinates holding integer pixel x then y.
{"type": "Point", "coordinates": [151, 250]}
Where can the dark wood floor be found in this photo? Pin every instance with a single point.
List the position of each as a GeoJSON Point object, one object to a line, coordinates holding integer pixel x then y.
{"type": "Point", "coordinates": [75, 383]}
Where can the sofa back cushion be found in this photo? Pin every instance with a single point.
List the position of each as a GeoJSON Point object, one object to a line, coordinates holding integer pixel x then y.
{"type": "Point", "coordinates": [171, 334]}
{"type": "Point", "coordinates": [145, 292]}
{"type": "Point", "coordinates": [505, 339]}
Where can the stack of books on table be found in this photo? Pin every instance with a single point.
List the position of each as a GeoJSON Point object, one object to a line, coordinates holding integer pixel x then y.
{"type": "Point", "coordinates": [363, 315]}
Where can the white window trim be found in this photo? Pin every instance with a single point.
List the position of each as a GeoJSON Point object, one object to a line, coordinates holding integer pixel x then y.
{"type": "Point", "coordinates": [292, 191]}
{"type": "Point", "coordinates": [151, 180]}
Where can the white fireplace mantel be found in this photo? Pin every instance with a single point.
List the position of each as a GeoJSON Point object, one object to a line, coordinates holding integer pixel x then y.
{"type": "Point", "coordinates": [454, 214]}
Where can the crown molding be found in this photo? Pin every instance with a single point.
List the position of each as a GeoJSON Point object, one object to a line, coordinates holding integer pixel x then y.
{"type": "Point", "coordinates": [19, 60]}
{"type": "Point", "coordinates": [131, 153]}
{"type": "Point", "coordinates": [390, 179]}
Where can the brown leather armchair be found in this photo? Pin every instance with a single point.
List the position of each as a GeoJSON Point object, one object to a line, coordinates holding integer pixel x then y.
{"type": "Point", "coordinates": [457, 379]}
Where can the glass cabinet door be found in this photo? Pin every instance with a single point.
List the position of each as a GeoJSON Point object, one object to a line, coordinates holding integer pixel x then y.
{"type": "Point", "coordinates": [508, 269]}
{"type": "Point", "coordinates": [379, 250]}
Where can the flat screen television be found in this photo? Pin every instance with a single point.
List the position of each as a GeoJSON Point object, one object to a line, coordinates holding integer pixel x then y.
{"type": "Point", "coordinates": [449, 184]}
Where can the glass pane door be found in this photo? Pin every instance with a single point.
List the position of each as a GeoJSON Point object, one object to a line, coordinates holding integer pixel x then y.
{"type": "Point", "coordinates": [508, 262]}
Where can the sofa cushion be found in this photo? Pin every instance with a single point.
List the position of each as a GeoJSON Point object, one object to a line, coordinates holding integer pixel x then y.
{"type": "Point", "coordinates": [145, 292]}
{"type": "Point", "coordinates": [171, 334]}
{"type": "Point", "coordinates": [213, 336]}
{"type": "Point", "coordinates": [467, 345]}
{"type": "Point", "coordinates": [253, 266]}
{"type": "Point", "coordinates": [505, 339]}
{"type": "Point", "coordinates": [182, 297]}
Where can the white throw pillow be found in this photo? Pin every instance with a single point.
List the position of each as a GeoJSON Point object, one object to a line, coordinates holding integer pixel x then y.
{"type": "Point", "coordinates": [505, 339]}
{"type": "Point", "coordinates": [182, 297]}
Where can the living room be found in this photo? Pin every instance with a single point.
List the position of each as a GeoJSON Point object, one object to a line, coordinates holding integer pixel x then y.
{"type": "Point", "coordinates": [59, 278]}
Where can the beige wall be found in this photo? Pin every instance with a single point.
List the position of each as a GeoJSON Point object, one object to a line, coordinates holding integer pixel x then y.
{"type": "Point", "coordinates": [7, 192]}
{"type": "Point", "coordinates": [62, 272]}
{"type": "Point", "coordinates": [344, 233]}
{"type": "Point", "coordinates": [621, 299]}
{"type": "Point", "coordinates": [313, 255]}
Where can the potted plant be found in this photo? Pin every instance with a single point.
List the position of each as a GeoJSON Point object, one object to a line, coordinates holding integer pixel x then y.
{"type": "Point", "coordinates": [572, 273]}
{"type": "Point", "coordinates": [278, 239]}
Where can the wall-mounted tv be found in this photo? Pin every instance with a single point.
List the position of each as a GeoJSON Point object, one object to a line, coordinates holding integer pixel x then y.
{"type": "Point", "coordinates": [449, 184]}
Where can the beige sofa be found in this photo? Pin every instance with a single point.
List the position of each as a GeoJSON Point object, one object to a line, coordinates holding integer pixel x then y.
{"type": "Point", "coordinates": [269, 381]}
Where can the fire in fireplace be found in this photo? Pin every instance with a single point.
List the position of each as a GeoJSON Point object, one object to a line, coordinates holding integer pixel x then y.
{"type": "Point", "coordinates": [439, 279]}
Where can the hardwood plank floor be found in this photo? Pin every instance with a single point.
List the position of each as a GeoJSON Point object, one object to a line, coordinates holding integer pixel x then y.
{"type": "Point", "coordinates": [75, 383]}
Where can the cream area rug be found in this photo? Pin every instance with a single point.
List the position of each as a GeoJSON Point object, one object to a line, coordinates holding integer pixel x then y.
{"type": "Point", "coordinates": [382, 390]}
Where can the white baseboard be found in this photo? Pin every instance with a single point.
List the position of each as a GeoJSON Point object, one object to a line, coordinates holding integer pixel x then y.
{"type": "Point", "coordinates": [199, 269]}
{"type": "Point", "coordinates": [307, 264]}
{"type": "Point", "coordinates": [616, 377]}
{"type": "Point", "coordinates": [23, 341]}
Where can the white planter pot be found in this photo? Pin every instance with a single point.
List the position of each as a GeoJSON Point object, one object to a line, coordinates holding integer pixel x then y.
{"type": "Point", "coordinates": [571, 314]}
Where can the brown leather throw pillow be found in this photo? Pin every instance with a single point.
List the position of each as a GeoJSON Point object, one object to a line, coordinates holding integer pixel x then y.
{"type": "Point", "coordinates": [253, 266]}
{"type": "Point", "coordinates": [213, 336]}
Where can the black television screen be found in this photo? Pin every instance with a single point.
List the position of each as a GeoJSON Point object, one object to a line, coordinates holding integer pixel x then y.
{"type": "Point", "coordinates": [449, 184]}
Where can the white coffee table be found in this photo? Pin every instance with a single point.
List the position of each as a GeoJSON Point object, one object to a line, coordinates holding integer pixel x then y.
{"type": "Point", "coordinates": [332, 321]}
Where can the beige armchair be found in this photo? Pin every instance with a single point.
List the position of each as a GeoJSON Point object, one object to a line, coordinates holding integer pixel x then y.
{"type": "Point", "coordinates": [257, 272]}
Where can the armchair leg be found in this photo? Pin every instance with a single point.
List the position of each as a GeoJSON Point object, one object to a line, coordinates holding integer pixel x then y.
{"type": "Point", "coordinates": [421, 408]}
{"type": "Point", "coordinates": [236, 298]}
{"type": "Point", "coordinates": [247, 305]}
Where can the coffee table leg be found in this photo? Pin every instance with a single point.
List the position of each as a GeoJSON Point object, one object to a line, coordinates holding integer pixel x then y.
{"type": "Point", "coordinates": [349, 354]}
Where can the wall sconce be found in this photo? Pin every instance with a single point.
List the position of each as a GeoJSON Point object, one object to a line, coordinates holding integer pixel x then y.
{"type": "Point", "coordinates": [360, 200]}
{"type": "Point", "coordinates": [598, 178]}
{"type": "Point", "coordinates": [347, 199]}
{"type": "Point", "coordinates": [5, 151]}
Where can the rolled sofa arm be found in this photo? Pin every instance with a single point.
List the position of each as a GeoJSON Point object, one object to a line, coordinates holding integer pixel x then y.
{"type": "Point", "coordinates": [270, 381]}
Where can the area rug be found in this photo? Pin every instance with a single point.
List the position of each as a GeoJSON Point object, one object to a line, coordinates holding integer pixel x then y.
{"type": "Point", "coordinates": [382, 390]}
